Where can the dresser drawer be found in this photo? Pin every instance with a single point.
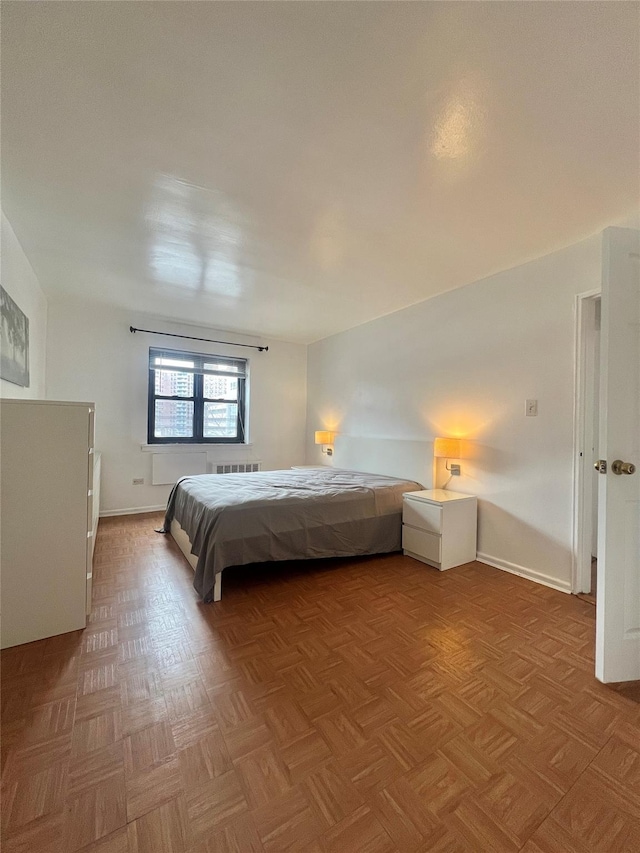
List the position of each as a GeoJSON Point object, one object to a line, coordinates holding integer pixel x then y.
{"type": "Point", "coordinates": [423, 515]}
{"type": "Point", "coordinates": [427, 545]}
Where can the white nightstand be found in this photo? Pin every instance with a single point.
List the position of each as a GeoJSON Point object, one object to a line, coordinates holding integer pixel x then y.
{"type": "Point", "coordinates": [439, 527]}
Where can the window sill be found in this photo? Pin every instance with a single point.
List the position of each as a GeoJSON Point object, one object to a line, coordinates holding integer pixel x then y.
{"type": "Point", "coordinates": [186, 448]}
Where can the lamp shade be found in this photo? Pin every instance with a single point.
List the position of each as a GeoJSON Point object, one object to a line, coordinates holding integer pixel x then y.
{"type": "Point", "coordinates": [323, 436]}
{"type": "Point", "coordinates": [446, 448]}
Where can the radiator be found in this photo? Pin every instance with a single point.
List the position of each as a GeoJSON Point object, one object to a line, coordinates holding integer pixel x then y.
{"type": "Point", "coordinates": [237, 467]}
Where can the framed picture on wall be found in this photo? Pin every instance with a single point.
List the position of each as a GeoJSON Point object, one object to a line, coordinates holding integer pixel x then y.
{"type": "Point", "coordinates": [14, 342]}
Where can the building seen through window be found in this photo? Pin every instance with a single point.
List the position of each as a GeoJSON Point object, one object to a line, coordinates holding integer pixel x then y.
{"type": "Point", "coordinates": [196, 398]}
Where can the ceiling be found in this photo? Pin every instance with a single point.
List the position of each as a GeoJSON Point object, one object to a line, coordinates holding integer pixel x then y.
{"type": "Point", "coordinates": [295, 169]}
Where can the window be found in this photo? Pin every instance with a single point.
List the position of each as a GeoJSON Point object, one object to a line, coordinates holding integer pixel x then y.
{"type": "Point", "coordinates": [195, 398]}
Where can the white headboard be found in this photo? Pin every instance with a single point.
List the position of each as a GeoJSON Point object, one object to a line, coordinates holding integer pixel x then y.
{"type": "Point", "coordinates": [408, 460]}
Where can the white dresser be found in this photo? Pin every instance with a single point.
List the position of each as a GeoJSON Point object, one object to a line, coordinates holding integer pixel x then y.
{"type": "Point", "coordinates": [49, 501]}
{"type": "Point", "coordinates": [439, 527]}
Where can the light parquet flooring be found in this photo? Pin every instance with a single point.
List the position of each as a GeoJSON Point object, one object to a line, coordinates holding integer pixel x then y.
{"type": "Point", "coordinates": [371, 705]}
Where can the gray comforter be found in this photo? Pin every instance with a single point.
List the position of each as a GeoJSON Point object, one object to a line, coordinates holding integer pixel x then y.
{"type": "Point", "coordinates": [234, 519]}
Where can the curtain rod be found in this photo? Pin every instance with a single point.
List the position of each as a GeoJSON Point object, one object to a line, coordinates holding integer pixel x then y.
{"type": "Point", "coordinates": [133, 330]}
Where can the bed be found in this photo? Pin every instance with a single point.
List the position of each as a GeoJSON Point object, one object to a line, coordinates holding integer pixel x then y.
{"type": "Point", "coordinates": [304, 513]}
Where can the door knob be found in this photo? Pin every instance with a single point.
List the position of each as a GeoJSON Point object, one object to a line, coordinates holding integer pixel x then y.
{"type": "Point", "coordinates": [601, 466]}
{"type": "Point", "coordinates": [620, 467]}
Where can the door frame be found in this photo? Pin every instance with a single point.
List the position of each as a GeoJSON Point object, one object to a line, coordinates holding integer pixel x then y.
{"type": "Point", "coordinates": [583, 440]}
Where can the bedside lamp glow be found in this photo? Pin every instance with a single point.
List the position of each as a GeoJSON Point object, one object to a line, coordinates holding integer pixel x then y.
{"type": "Point", "coordinates": [446, 448]}
{"type": "Point", "coordinates": [325, 438]}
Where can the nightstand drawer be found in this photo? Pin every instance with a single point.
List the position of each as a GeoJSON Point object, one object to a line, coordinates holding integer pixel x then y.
{"type": "Point", "coordinates": [427, 545]}
{"type": "Point", "coordinates": [423, 515]}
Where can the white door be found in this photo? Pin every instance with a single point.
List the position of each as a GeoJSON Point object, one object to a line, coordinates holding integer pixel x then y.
{"type": "Point", "coordinates": [618, 596]}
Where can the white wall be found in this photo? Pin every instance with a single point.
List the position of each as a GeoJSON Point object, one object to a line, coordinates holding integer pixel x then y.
{"type": "Point", "coordinates": [21, 283]}
{"type": "Point", "coordinates": [464, 363]}
{"type": "Point", "coordinates": [93, 356]}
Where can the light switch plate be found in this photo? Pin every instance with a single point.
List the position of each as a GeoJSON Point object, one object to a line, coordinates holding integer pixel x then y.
{"type": "Point", "coordinates": [531, 408]}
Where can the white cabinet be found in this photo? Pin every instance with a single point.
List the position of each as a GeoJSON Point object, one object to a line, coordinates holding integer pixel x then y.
{"type": "Point", "coordinates": [93, 518]}
{"type": "Point", "coordinates": [439, 527]}
{"type": "Point", "coordinates": [49, 486]}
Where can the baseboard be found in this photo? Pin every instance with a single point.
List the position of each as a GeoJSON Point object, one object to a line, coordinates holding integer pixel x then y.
{"type": "Point", "coordinates": [132, 510]}
{"type": "Point", "coordinates": [523, 572]}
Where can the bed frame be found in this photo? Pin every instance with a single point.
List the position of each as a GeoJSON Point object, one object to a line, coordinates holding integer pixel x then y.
{"type": "Point", "coordinates": [407, 460]}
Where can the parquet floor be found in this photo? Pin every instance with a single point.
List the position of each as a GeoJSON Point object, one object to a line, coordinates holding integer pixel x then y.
{"type": "Point", "coordinates": [356, 706]}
